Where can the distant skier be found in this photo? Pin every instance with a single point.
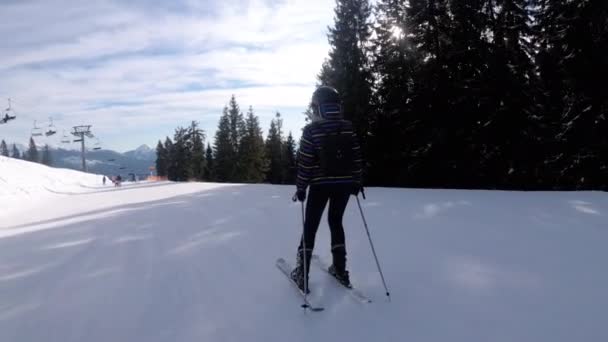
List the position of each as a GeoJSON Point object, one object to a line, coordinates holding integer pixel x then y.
{"type": "Point", "coordinates": [104, 180]}
{"type": "Point", "coordinates": [330, 164]}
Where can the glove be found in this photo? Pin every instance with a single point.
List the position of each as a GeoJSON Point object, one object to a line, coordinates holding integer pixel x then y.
{"type": "Point", "coordinates": [300, 195]}
{"type": "Point", "coordinates": [357, 187]}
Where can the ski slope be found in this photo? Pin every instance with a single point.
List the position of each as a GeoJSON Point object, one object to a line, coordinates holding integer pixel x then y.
{"type": "Point", "coordinates": [195, 262]}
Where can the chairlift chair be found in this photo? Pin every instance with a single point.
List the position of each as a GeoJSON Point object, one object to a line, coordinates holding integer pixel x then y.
{"type": "Point", "coordinates": [36, 131]}
{"type": "Point", "coordinates": [52, 130]}
{"type": "Point", "coordinates": [7, 116]}
{"type": "Point", "coordinates": [65, 139]}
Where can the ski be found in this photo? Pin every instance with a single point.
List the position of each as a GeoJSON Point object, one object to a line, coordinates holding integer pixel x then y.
{"type": "Point", "coordinates": [353, 292]}
{"type": "Point", "coordinates": [286, 269]}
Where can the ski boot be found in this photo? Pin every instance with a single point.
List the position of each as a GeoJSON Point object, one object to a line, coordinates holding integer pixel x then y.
{"type": "Point", "coordinates": [297, 275]}
{"type": "Point", "coordinates": [342, 276]}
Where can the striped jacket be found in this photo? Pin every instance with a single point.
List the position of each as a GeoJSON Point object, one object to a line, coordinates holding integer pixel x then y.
{"type": "Point", "coordinates": [309, 168]}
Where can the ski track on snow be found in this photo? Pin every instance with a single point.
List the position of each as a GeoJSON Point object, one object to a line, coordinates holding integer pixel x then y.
{"type": "Point", "coordinates": [195, 262]}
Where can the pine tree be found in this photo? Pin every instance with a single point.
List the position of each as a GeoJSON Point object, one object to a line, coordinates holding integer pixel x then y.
{"type": "Point", "coordinates": [573, 76]}
{"type": "Point", "coordinates": [430, 113]}
{"type": "Point", "coordinates": [162, 160]}
{"type": "Point", "coordinates": [46, 156]}
{"type": "Point", "coordinates": [171, 167]}
{"type": "Point", "coordinates": [181, 155]}
{"type": "Point", "coordinates": [508, 129]}
{"type": "Point", "coordinates": [252, 159]}
{"type": "Point", "coordinates": [348, 66]}
{"type": "Point", "coordinates": [32, 152]}
{"type": "Point", "coordinates": [274, 151]}
{"type": "Point", "coordinates": [196, 145]}
{"type": "Point", "coordinates": [237, 130]}
{"type": "Point", "coordinates": [394, 61]}
{"type": "Point", "coordinates": [16, 154]}
{"type": "Point", "coordinates": [3, 149]}
{"type": "Point", "coordinates": [289, 160]}
{"type": "Point", "coordinates": [224, 152]}
{"type": "Point", "coordinates": [209, 165]}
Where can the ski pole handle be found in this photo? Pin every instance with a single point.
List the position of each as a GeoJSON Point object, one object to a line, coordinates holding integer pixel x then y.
{"type": "Point", "coordinates": [363, 193]}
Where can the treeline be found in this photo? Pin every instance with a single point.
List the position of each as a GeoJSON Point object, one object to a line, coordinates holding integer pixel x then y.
{"type": "Point", "coordinates": [509, 94]}
{"type": "Point", "coordinates": [239, 153]}
{"type": "Point", "coordinates": [32, 154]}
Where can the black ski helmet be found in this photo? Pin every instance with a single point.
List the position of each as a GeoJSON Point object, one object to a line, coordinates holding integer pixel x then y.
{"type": "Point", "coordinates": [324, 95]}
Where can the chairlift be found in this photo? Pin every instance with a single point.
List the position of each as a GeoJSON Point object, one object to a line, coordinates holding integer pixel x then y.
{"type": "Point", "coordinates": [122, 167]}
{"type": "Point", "coordinates": [111, 160]}
{"type": "Point", "coordinates": [65, 139]}
{"type": "Point", "coordinates": [52, 130]}
{"type": "Point", "coordinates": [7, 117]}
{"type": "Point", "coordinates": [97, 145]}
{"type": "Point", "coordinates": [36, 131]}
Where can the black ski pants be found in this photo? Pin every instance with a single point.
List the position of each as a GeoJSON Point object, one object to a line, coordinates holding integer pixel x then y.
{"type": "Point", "coordinates": [318, 196]}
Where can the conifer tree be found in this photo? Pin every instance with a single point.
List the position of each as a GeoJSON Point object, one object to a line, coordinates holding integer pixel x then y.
{"type": "Point", "coordinates": [32, 152]}
{"type": "Point", "coordinates": [46, 156]}
{"type": "Point", "coordinates": [252, 158]}
{"type": "Point", "coordinates": [162, 160]}
{"type": "Point", "coordinates": [274, 151]}
{"type": "Point", "coordinates": [209, 165]}
{"type": "Point", "coordinates": [16, 154]}
{"type": "Point", "coordinates": [348, 66]}
{"type": "Point", "coordinates": [3, 149]}
{"type": "Point", "coordinates": [171, 166]}
{"type": "Point", "coordinates": [289, 160]}
{"type": "Point", "coordinates": [394, 61]}
{"type": "Point", "coordinates": [237, 131]}
{"type": "Point", "coordinates": [573, 74]}
{"type": "Point", "coordinates": [195, 141]}
{"type": "Point", "coordinates": [224, 153]}
{"type": "Point", "coordinates": [181, 155]}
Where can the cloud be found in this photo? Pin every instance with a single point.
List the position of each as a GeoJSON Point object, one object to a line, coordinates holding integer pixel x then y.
{"type": "Point", "coordinates": [147, 66]}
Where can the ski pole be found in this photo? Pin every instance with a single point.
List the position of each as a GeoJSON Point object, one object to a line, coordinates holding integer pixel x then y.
{"type": "Point", "coordinates": [305, 305]}
{"type": "Point", "coordinates": [373, 249]}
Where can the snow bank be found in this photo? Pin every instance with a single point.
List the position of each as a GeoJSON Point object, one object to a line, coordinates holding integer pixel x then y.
{"type": "Point", "coordinates": [23, 182]}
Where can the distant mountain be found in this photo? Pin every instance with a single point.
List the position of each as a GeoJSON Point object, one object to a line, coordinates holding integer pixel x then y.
{"type": "Point", "coordinates": [106, 161]}
{"type": "Point", "coordinates": [143, 152]}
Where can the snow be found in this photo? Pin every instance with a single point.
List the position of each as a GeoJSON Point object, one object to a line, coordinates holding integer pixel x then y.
{"type": "Point", "coordinates": [195, 262]}
{"type": "Point", "coordinates": [22, 183]}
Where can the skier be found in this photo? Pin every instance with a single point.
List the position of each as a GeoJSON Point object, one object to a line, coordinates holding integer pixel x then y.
{"type": "Point", "coordinates": [330, 165]}
{"type": "Point", "coordinates": [104, 180]}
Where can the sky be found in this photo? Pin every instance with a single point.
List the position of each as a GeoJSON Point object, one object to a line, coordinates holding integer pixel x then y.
{"type": "Point", "coordinates": [136, 70]}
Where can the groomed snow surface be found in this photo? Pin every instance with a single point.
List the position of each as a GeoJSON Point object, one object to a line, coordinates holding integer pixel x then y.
{"type": "Point", "coordinates": [195, 262]}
